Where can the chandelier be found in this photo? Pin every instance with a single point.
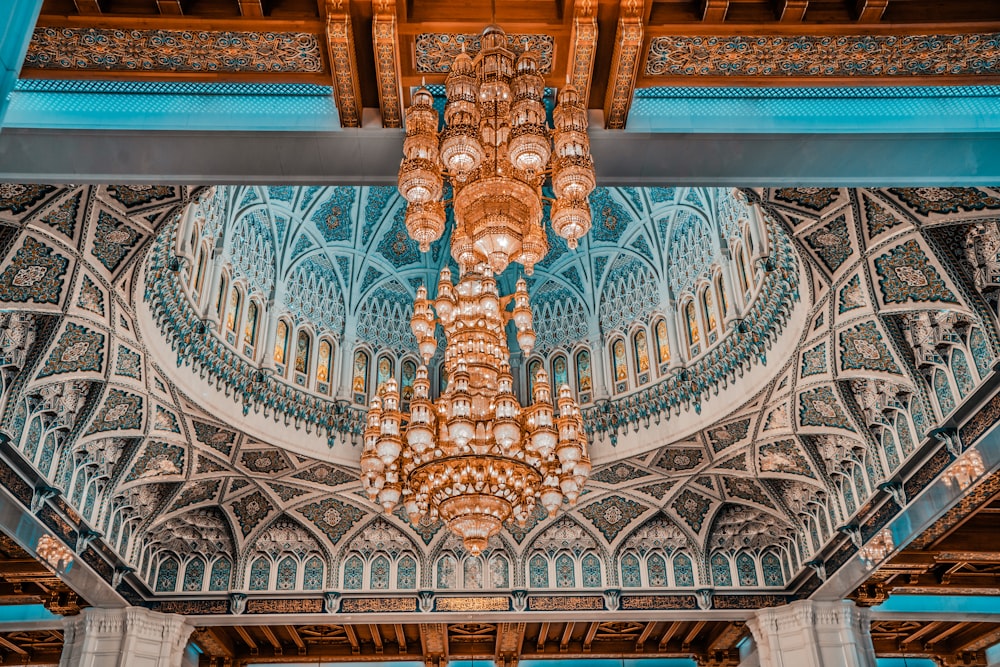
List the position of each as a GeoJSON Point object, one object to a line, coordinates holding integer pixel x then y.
{"type": "Point", "coordinates": [475, 458]}
{"type": "Point", "coordinates": [496, 150]}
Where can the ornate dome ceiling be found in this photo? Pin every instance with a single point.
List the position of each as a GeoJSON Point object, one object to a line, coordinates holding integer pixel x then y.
{"type": "Point", "coordinates": [862, 319]}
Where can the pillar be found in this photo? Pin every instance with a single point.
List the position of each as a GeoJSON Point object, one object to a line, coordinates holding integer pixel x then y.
{"type": "Point", "coordinates": [130, 637]}
{"type": "Point", "coordinates": [813, 634]}
{"type": "Point", "coordinates": [17, 24]}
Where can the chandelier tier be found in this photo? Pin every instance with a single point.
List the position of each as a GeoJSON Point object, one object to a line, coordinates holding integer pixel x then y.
{"type": "Point", "coordinates": [496, 151]}
{"type": "Point", "coordinates": [475, 458]}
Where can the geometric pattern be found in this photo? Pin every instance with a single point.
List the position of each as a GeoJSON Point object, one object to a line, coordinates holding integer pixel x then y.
{"type": "Point", "coordinates": [907, 275]}
{"type": "Point", "coordinates": [35, 274]}
{"type": "Point", "coordinates": [617, 473]}
{"type": "Point", "coordinates": [832, 243]}
{"type": "Point", "coordinates": [18, 198]}
{"type": "Point", "coordinates": [945, 200]}
{"type": "Point", "coordinates": [250, 510]}
{"type": "Point", "coordinates": [332, 516]}
{"type": "Point", "coordinates": [691, 507]}
{"type": "Point", "coordinates": [613, 514]}
{"type": "Point", "coordinates": [783, 456]}
{"type": "Point", "coordinates": [814, 361]}
{"type": "Point", "coordinates": [79, 350]}
{"type": "Point", "coordinates": [131, 196]}
{"type": "Point", "coordinates": [121, 411]}
{"type": "Point", "coordinates": [819, 407]}
{"type": "Point", "coordinates": [815, 199]}
{"type": "Point", "coordinates": [436, 51]}
{"type": "Point", "coordinates": [113, 240]}
{"type": "Point", "coordinates": [862, 347]}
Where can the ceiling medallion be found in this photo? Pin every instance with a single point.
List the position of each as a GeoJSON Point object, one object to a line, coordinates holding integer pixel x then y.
{"type": "Point", "coordinates": [475, 458]}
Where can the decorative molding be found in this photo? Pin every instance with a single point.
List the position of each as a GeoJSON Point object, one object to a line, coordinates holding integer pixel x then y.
{"type": "Point", "coordinates": [188, 51]}
{"type": "Point", "coordinates": [435, 51]}
{"type": "Point", "coordinates": [385, 38]}
{"type": "Point", "coordinates": [834, 56]}
{"type": "Point", "coordinates": [343, 62]}
{"type": "Point", "coordinates": [583, 47]}
{"type": "Point", "coordinates": [624, 65]}
{"type": "Point", "coordinates": [714, 11]}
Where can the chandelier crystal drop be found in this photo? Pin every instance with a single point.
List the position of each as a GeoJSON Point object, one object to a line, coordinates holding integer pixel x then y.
{"type": "Point", "coordinates": [475, 458]}
{"type": "Point", "coordinates": [496, 150]}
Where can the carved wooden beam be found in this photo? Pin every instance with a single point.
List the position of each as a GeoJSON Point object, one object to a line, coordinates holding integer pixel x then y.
{"type": "Point", "coordinates": [247, 639]}
{"type": "Point", "coordinates": [296, 638]}
{"type": "Point", "coordinates": [624, 64]}
{"type": "Point", "coordinates": [352, 638]}
{"type": "Point", "coordinates": [583, 46]}
{"type": "Point", "coordinates": [343, 62]}
{"type": "Point", "coordinates": [170, 7]}
{"type": "Point", "coordinates": [870, 11]}
{"type": "Point", "coordinates": [588, 639]}
{"type": "Point", "coordinates": [376, 637]}
{"type": "Point", "coordinates": [387, 70]}
{"type": "Point", "coordinates": [251, 7]}
{"type": "Point", "coordinates": [566, 636]}
{"type": "Point", "coordinates": [509, 638]}
{"type": "Point", "coordinates": [543, 636]}
{"type": "Point", "coordinates": [400, 637]}
{"type": "Point", "coordinates": [646, 632]}
{"type": "Point", "coordinates": [792, 11]}
{"type": "Point", "coordinates": [714, 11]}
{"type": "Point", "coordinates": [434, 642]}
{"type": "Point", "coordinates": [89, 7]}
{"type": "Point", "coordinates": [273, 638]}
{"type": "Point", "coordinates": [692, 635]}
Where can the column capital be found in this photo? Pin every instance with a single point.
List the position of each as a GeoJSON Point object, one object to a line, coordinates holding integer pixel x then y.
{"type": "Point", "coordinates": [810, 633]}
{"type": "Point", "coordinates": [123, 637]}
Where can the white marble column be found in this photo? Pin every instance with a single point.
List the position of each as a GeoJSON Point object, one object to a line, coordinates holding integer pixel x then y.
{"type": "Point", "coordinates": [813, 634]}
{"type": "Point", "coordinates": [131, 637]}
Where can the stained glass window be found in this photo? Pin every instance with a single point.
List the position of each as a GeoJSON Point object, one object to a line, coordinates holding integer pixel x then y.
{"type": "Point", "coordinates": [281, 343]}
{"type": "Point", "coordinates": [533, 367]}
{"type": "Point", "coordinates": [980, 352]}
{"type": "Point", "coordinates": [584, 381]}
{"type": "Point", "coordinates": [499, 572]}
{"type": "Point", "coordinates": [354, 573]}
{"type": "Point", "coordinates": [708, 303]}
{"type": "Point", "coordinates": [963, 374]}
{"type": "Point", "coordinates": [166, 578]}
{"type": "Point", "coordinates": [446, 572]}
{"type": "Point", "coordinates": [721, 573]}
{"type": "Point", "coordinates": [302, 344]}
{"type": "Point", "coordinates": [325, 362]}
{"type": "Point", "coordinates": [221, 301]}
{"type": "Point", "coordinates": [656, 570]}
{"type": "Point", "coordinates": [771, 565]}
{"type": "Point", "coordinates": [406, 573]}
{"type": "Point", "coordinates": [560, 373]}
{"type": "Point", "coordinates": [631, 577]}
{"type": "Point", "coordinates": [641, 351]}
{"type": "Point", "coordinates": [746, 569]}
{"type": "Point", "coordinates": [250, 334]}
{"type": "Point", "coordinates": [472, 574]}
{"type": "Point", "coordinates": [591, 571]}
{"type": "Point", "coordinates": [221, 572]}
{"type": "Point", "coordinates": [662, 343]}
{"type": "Point", "coordinates": [691, 320]}
{"type": "Point", "coordinates": [946, 400]}
{"type": "Point", "coordinates": [385, 365]}
{"type": "Point", "coordinates": [619, 365]}
{"type": "Point", "coordinates": [720, 288]}
{"type": "Point", "coordinates": [360, 382]}
{"type": "Point", "coordinates": [380, 573]}
{"type": "Point", "coordinates": [312, 574]}
{"type": "Point", "coordinates": [287, 572]}
{"type": "Point", "coordinates": [260, 574]}
{"type": "Point", "coordinates": [233, 312]}
{"type": "Point", "coordinates": [683, 570]}
{"type": "Point", "coordinates": [199, 276]}
{"type": "Point", "coordinates": [538, 572]}
{"type": "Point", "coordinates": [194, 574]}
{"type": "Point", "coordinates": [409, 374]}
{"type": "Point", "coordinates": [565, 572]}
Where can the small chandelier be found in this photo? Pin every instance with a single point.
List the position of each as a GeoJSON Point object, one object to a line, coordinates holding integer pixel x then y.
{"type": "Point", "coordinates": [475, 458]}
{"type": "Point", "coordinates": [496, 150]}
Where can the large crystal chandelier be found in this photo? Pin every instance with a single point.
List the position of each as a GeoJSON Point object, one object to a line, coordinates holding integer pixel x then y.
{"type": "Point", "coordinates": [475, 458]}
{"type": "Point", "coordinates": [496, 150]}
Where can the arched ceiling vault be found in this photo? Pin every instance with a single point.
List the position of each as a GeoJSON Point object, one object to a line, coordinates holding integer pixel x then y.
{"type": "Point", "coordinates": [888, 298]}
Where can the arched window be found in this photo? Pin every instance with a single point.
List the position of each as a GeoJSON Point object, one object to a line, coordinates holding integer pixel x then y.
{"type": "Point", "coordinates": [380, 573]}
{"type": "Point", "coordinates": [708, 305]}
{"type": "Point", "coordinates": [250, 334]}
{"type": "Point", "coordinates": [534, 366]}
{"type": "Point", "coordinates": [656, 570]}
{"type": "Point", "coordinates": [741, 270]}
{"type": "Point", "coordinates": [962, 372]}
{"type": "Point", "coordinates": [287, 574]}
{"type": "Point", "coordinates": [194, 574]}
{"type": "Point", "coordinates": [771, 565]}
{"type": "Point", "coordinates": [538, 572]}
{"type": "Point", "coordinates": [631, 575]}
{"type": "Point", "coordinates": [720, 289]}
{"type": "Point", "coordinates": [303, 345]}
{"type": "Point", "coordinates": [222, 570]}
{"type": "Point", "coordinates": [221, 301]}
{"type": "Point", "coordinates": [565, 572]}
{"type": "Point", "coordinates": [499, 572]}
{"type": "Point", "coordinates": [591, 571]}
{"type": "Point", "coordinates": [385, 367]}
{"type": "Point", "coordinates": [942, 389]}
{"type": "Point", "coordinates": [281, 344]}
{"type": "Point", "coordinates": [166, 578]}
{"type": "Point", "coordinates": [406, 573]}
{"type": "Point", "coordinates": [619, 365]}
{"type": "Point", "coordinates": [683, 570]}
{"type": "Point", "coordinates": [721, 572]}
{"type": "Point", "coordinates": [312, 574]}
{"type": "Point", "coordinates": [360, 381]}
{"type": "Point", "coordinates": [260, 574]}
{"type": "Point", "coordinates": [407, 377]}
{"type": "Point", "coordinates": [199, 273]}
{"type": "Point", "coordinates": [472, 573]}
{"type": "Point", "coordinates": [446, 572]}
{"type": "Point", "coordinates": [746, 569]}
{"type": "Point", "coordinates": [691, 324]}
{"type": "Point", "coordinates": [354, 573]}
{"type": "Point", "coordinates": [584, 380]}
{"type": "Point", "coordinates": [641, 351]}
{"type": "Point", "coordinates": [233, 311]}
{"type": "Point", "coordinates": [325, 365]}
{"type": "Point", "coordinates": [560, 373]}
{"type": "Point", "coordinates": [662, 343]}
